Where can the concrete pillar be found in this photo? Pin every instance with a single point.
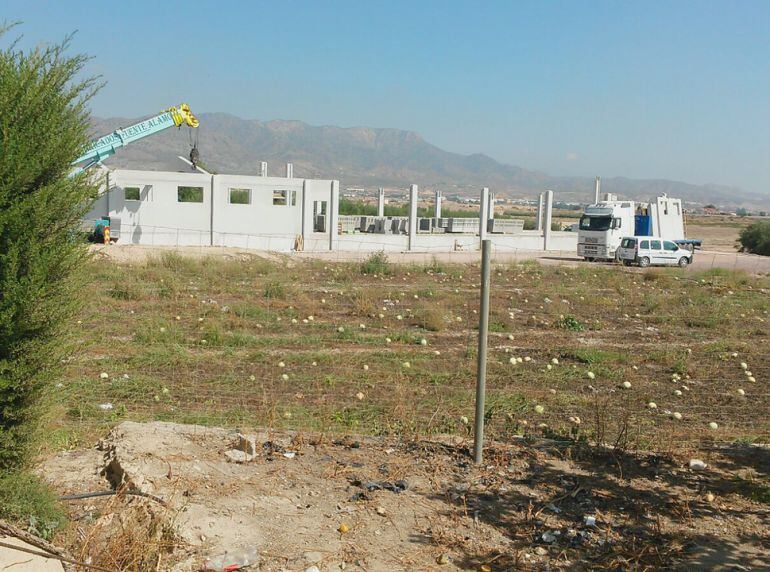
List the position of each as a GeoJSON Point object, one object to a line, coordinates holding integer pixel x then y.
{"type": "Point", "coordinates": [491, 210]}
{"type": "Point", "coordinates": [412, 216]}
{"type": "Point", "coordinates": [307, 212]}
{"type": "Point", "coordinates": [437, 213]}
{"type": "Point", "coordinates": [597, 189]}
{"type": "Point", "coordinates": [547, 220]}
{"type": "Point", "coordinates": [289, 170]}
{"type": "Point", "coordinates": [211, 208]}
{"type": "Point", "coordinates": [483, 215]}
{"type": "Point", "coordinates": [333, 215]}
{"type": "Point", "coordinates": [539, 219]}
{"type": "Point", "coordinates": [263, 169]}
{"type": "Point", "coordinates": [381, 202]}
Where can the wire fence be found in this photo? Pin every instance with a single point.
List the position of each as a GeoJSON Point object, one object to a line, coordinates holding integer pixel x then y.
{"type": "Point", "coordinates": [325, 347]}
{"type": "Point", "coordinates": [462, 247]}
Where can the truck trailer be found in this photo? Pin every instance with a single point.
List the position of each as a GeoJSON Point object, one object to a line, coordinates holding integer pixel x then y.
{"type": "Point", "coordinates": [604, 224]}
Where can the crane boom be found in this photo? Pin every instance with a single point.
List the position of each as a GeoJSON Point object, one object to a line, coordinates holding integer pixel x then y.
{"type": "Point", "coordinates": [106, 146]}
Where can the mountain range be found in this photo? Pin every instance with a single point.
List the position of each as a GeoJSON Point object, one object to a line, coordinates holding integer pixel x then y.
{"type": "Point", "coordinates": [378, 157]}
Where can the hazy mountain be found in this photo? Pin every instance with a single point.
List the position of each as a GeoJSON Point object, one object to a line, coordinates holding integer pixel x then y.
{"type": "Point", "coordinates": [371, 157]}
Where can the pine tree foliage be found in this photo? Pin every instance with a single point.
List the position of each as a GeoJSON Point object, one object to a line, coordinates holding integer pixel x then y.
{"type": "Point", "coordinates": [43, 128]}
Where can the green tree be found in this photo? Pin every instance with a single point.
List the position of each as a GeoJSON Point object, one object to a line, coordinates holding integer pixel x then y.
{"type": "Point", "coordinates": [755, 238]}
{"type": "Point", "coordinates": [43, 127]}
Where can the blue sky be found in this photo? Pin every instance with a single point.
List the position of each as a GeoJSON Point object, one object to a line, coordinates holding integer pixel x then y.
{"type": "Point", "coordinates": [675, 89]}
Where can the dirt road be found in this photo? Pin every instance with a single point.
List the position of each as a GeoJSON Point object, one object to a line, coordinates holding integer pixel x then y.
{"type": "Point", "coordinates": [704, 259]}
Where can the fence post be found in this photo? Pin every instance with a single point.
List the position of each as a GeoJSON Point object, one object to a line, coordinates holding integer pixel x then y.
{"type": "Point", "coordinates": [481, 371]}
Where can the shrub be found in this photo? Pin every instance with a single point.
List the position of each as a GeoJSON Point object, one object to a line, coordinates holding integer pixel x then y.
{"type": "Point", "coordinates": [755, 238]}
{"type": "Point", "coordinates": [570, 323]}
{"type": "Point", "coordinates": [24, 499]}
{"type": "Point", "coordinates": [43, 128]}
{"type": "Point", "coordinates": [430, 319]}
{"type": "Point", "coordinates": [275, 290]}
{"type": "Point", "coordinates": [377, 263]}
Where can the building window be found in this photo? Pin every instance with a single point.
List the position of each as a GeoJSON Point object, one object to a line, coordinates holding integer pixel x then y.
{"type": "Point", "coordinates": [280, 198]}
{"type": "Point", "coordinates": [294, 198]}
{"type": "Point", "coordinates": [240, 196]}
{"type": "Point", "coordinates": [189, 194]}
{"type": "Point", "coordinates": [131, 193]}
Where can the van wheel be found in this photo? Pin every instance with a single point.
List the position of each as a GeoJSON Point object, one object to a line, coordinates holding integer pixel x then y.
{"type": "Point", "coordinates": [590, 259]}
{"type": "Point", "coordinates": [626, 263]}
{"type": "Point", "coordinates": [683, 262]}
{"type": "Point", "coordinates": [644, 262]}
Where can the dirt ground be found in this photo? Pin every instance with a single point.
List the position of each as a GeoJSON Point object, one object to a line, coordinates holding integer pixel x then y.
{"type": "Point", "coordinates": [371, 504]}
{"type": "Point", "coordinates": [704, 259]}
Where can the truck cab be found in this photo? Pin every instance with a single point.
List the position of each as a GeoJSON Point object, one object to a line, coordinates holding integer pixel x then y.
{"type": "Point", "coordinates": [604, 224]}
{"type": "Point", "coordinates": [602, 227]}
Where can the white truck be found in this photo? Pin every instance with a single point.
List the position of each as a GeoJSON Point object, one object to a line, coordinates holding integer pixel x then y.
{"type": "Point", "coordinates": [604, 224]}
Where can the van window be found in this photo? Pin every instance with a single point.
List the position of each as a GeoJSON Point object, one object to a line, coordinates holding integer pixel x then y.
{"type": "Point", "coordinates": [655, 245]}
{"type": "Point", "coordinates": [670, 246]}
{"type": "Point", "coordinates": [645, 244]}
{"type": "Point", "coordinates": [628, 243]}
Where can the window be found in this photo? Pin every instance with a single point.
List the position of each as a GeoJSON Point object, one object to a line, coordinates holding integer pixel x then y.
{"type": "Point", "coordinates": [628, 243]}
{"type": "Point", "coordinates": [240, 196]}
{"type": "Point", "coordinates": [670, 246]}
{"type": "Point", "coordinates": [280, 198]}
{"type": "Point", "coordinates": [678, 212]}
{"type": "Point", "coordinates": [665, 207]}
{"type": "Point", "coordinates": [131, 193]}
{"type": "Point", "coordinates": [645, 244]}
{"type": "Point", "coordinates": [595, 222]}
{"type": "Point", "coordinates": [294, 198]}
{"type": "Point", "coordinates": [189, 194]}
{"type": "Point", "coordinates": [616, 223]}
{"type": "Point", "coordinates": [655, 245]}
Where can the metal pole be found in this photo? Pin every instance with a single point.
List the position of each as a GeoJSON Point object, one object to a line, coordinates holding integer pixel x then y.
{"type": "Point", "coordinates": [481, 379]}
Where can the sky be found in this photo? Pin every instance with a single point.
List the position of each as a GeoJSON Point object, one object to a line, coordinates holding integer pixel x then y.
{"type": "Point", "coordinates": [648, 89]}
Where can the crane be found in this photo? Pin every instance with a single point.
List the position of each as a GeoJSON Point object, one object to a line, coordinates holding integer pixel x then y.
{"type": "Point", "coordinates": [107, 145]}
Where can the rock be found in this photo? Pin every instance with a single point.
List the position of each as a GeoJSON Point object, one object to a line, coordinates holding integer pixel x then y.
{"type": "Point", "coordinates": [443, 559]}
{"type": "Point", "coordinates": [697, 465]}
{"type": "Point", "coordinates": [237, 456]}
{"type": "Point", "coordinates": [540, 551]}
{"type": "Point", "coordinates": [246, 444]}
{"type": "Point", "coordinates": [381, 511]}
{"type": "Point", "coordinates": [17, 561]}
{"type": "Point", "coordinates": [313, 557]}
{"type": "Point", "coordinates": [548, 537]}
{"type": "Point", "coordinates": [313, 569]}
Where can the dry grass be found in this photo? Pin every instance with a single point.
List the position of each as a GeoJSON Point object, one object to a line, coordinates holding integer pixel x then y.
{"type": "Point", "coordinates": [218, 363]}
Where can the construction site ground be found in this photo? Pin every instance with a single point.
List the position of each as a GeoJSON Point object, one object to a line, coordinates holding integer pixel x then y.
{"type": "Point", "coordinates": [350, 503]}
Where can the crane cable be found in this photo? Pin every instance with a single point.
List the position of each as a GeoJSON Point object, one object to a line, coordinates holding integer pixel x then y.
{"type": "Point", "coordinates": [194, 153]}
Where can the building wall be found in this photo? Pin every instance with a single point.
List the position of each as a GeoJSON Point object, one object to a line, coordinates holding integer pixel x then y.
{"type": "Point", "coordinates": [159, 218]}
{"type": "Point", "coordinates": [260, 222]}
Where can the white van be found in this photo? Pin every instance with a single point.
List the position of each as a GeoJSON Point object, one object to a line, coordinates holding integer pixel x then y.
{"type": "Point", "coordinates": [647, 250]}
